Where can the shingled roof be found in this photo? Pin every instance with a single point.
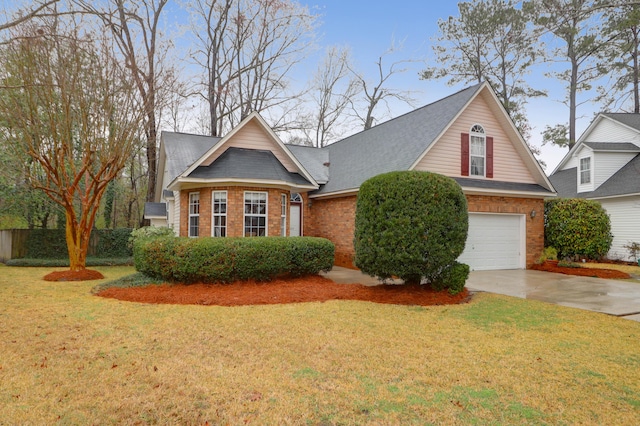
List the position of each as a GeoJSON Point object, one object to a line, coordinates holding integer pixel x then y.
{"type": "Point", "coordinates": [623, 182]}
{"type": "Point", "coordinates": [183, 149]}
{"type": "Point", "coordinates": [393, 145]}
{"type": "Point", "coordinates": [629, 119]}
{"type": "Point", "coordinates": [240, 163]}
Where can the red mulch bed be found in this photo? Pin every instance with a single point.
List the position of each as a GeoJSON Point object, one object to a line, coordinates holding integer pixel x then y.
{"type": "Point", "coordinates": [83, 275]}
{"type": "Point", "coordinates": [584, 272]}
{"type": "Point", "coordinates": [308, 289]}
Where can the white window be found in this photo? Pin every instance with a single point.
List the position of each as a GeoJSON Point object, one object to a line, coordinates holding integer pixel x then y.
{"type": "Point", "coordinates": [219, 213]}
{"type": "Point", "coordinates": [255, 214]}
{"type": "Point", "coordinates": [585, 170]}
{"type": "Point", "coordinates": [194, 214]}
{"type": "Point", "coordinates": [283, 215]}
{"type": "Point", "coordinates": [477, 151]}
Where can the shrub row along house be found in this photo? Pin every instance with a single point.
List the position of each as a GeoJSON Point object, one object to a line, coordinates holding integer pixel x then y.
{"type": "Point", "coordinates": [604, 165]}
{"type": "Point", "coordinates": [249, 183]}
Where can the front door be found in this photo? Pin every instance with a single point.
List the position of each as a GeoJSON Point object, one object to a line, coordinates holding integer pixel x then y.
{"type": "Point", "coordinates": [294, 220]}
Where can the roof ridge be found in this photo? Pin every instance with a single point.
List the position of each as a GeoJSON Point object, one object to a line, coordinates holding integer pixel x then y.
{"type": "Point", "coordinates": [475, 86]}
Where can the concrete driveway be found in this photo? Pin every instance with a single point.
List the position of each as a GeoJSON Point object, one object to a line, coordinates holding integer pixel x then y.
{"type": "Point", "coordinates": [613, 297]}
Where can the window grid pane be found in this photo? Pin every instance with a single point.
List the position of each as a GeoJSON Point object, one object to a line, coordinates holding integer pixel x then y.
{"type": "Point", "coordinates": [283, 215]}
{"type": "Point", "coordinates": [585, 170]}
{"type": "Point", "coordinates": [194, 214]}
{"type": "Point", "coordinates": [219, 215]}
{"type": "Point", "coordinates": [477, 148]}
{"type": "Point", "coordinates": [255, 214]}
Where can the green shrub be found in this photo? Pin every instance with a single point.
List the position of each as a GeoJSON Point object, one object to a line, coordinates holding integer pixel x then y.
{"type": "Point", "coordinates": [149, 232]}
{"type": "Point", "coordinates": [190, 260]}
{"type": "Point", "coordinates": [47, 244]}
{"type": "Point", "coordinates": [113, 242]}
{"type": "Point", "coordinates": [549, 253]}
{"type": "Point", "coordinates": [453, 277]}
{"type": "Point", "coordinates": [577, 228]}
{"type": "Point", "coordinates": [410, 224]}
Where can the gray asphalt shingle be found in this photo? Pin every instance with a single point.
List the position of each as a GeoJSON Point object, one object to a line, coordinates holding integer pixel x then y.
{"type": "Point", "coordinates": [391, 146]}
{"type": "Point", "coordinates": [625, 181]}
{"type": "Point", "coordinates": [243, 163]}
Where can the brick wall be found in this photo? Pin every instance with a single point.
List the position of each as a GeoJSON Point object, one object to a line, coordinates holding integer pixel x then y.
{"type": "Point", "coordinates": [235, 209]}
{"type": "Point", "coordinates": [335, 219]}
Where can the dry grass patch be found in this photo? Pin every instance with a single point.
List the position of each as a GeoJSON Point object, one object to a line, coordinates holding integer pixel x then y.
{"type": "Point", "coordinates": [629, 269]}
{"type": "Point", "coordinates": [73, 358]}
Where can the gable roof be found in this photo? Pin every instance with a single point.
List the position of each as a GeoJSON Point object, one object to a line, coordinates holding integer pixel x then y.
{"type": "Point", "coordinates": [400, 143]}
{"type": "Point", "coordinates": [393, 145]}
{"type": "Point", "coordinates": [630, 120]}
{"type": "Point", "coordinates": [253, 117]}
{"type": "Point", "coordinates": [623, 182]}
{"type": "Point", "coordinates": [250, 164]}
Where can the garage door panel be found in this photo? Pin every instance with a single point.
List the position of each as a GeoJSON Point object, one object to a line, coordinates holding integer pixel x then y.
{"type": "Point", "coordinates": [495, 241]}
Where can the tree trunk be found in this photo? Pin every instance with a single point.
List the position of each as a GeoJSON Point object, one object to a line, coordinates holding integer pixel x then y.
{"type": "Point", "coordinates": [77, 243]}
{"type": "Point", "coordinates": [151, 155]}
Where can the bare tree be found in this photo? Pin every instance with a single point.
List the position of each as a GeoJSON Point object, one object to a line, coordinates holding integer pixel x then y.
{"type": "Point", "coordinates": [69, 108]}
{"type": "Point", "coordinates": [248, 48]}
{"type": "Point", "coordinates": [376, 92]}
{"type": "Point", "coordinates": [135, 28]}
{"type": "Point", "coordinates": [333, 88]}
{"type": "Point", "coordinates": [35, 10]}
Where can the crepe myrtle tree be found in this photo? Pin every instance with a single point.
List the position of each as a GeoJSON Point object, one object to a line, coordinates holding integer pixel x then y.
{"type": "Point", "coordinates": [69, 108]}
{"type": "Point", "coordinates": [412, 225]}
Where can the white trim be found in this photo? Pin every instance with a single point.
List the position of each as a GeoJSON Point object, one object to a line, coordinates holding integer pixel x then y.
{"type": "Point", "coordinates": [352, 191]}
{"type": "Point", "coordinates": [265, 215]}
{"type": "Point", "coordinates": [283, 213]}
{"type": "Point", "coordinates": [203, 182]}
{"type": "Point", "coordinates": [511, 129]}
{"type": "Point", "coordinates": [522, 257]}
{"type": "Point", "coordinates": [584, 136]}
{"type": "Point", "coordinates": [253, 116]}
{"type": "Point", "coordinates": [214, 215]}
{"type": "Point", "coordinates": [482, 136]}
{"type": "Point", "coordinates": [190, 215]}
{"type": "Point", "coordinates": [466, 189]}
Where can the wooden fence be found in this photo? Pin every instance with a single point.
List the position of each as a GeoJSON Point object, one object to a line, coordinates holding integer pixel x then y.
{"type": "Point", "coordinates": [13, 243]}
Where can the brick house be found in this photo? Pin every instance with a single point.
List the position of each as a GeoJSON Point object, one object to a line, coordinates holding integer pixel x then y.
{"type": "Point", "coordinates": [249, 183]}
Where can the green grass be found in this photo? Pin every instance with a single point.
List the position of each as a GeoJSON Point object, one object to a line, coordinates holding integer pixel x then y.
{"type": "Point", "coordinates": [69, 357]}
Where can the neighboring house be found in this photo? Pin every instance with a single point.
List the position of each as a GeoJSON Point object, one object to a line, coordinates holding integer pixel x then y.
{"type": "Point", "coordinates": [604, 165]}
{"type": "Point", "coordinates": [249, 183]}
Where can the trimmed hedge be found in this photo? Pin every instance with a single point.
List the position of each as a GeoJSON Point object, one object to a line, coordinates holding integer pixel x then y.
{"type": "Point", "coordinates": [91, 262]}
{"type": "Point", "coordinates": [52, 243]}
{"type": "Point", "coordinates": [577, 228]}
{"type": "Point", "coordinates": [224, 260]}
{"type": "Point", "coordinates": [412, 225]}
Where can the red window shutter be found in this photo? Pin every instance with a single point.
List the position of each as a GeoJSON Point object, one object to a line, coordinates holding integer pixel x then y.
{"type": "Point", "coordinates": [489, 147]}
{"type": "Point", "coordinates": [464, 155]}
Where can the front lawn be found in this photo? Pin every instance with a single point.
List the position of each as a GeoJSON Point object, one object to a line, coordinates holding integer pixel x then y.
{"type": "Point", "coordinates": [70, 357]}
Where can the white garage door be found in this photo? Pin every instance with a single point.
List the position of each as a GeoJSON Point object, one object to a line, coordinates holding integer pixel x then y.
{"type": "Point", "coordinates": [495, 241]}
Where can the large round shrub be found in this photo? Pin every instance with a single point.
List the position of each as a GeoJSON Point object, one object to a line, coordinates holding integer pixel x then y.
{"type": "Point", "coordinates": [410, 224]}
{"type": "Point", "coordinates": [577, 228]}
